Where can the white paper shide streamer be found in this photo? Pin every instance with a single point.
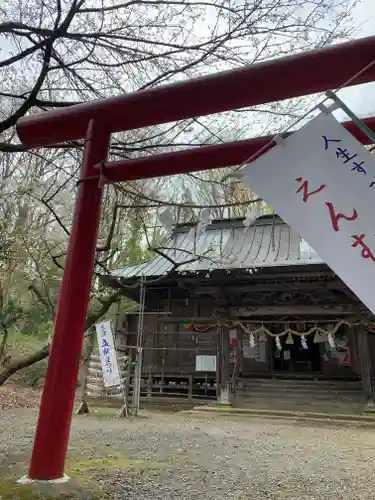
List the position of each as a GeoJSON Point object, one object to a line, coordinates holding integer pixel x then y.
{"type": "Point", "coordinates": [304, 342]}
{"type": "Point", "coordinates": [278, 343]}
{"type": "Point", "coordinates": [331, 341]}
{"type": "Point", "coordinates": [252, 340]}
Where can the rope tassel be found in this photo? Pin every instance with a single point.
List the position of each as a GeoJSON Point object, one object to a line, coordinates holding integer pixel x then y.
{"type": "Point", "coordinates": [289, 339]}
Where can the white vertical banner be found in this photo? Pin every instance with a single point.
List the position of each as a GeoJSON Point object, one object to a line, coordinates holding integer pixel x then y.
{"type": "Point", "coordinates": [321, 181]}
{"type": "Point", "coordinates": [108, 357]}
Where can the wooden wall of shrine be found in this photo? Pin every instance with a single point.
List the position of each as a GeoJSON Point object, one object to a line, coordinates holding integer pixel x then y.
{"type": "Point", "coordinates": [173, 338]}
{"type": "Point", "coordinates": [196, 332]}
{"type": "Point", "coordinates": [181, 334]}
{"type": "Point", "coordinates": [179, 357]}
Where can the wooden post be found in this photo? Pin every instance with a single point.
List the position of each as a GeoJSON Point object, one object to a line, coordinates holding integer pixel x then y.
{"type": "Point", "coordinates": [56, 406]}
{"type": "Point", "coordinates": [224, 368]}
{"type": "Point", "coordinates": [83, 408]}
{"type": "Point", "coordinates": [365, 363]}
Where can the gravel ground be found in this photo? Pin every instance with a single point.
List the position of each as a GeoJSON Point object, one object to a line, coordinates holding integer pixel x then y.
{"type": "Point", "coordinates": [15, 396]}
{"type": "Point", "coordinates": [179, 456]}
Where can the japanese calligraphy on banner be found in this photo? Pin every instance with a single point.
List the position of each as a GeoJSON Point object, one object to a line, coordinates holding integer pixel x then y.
{"type": "Point", "coordinates": [108, 358]}
{"type": "Point", "coordinates": [321, 181]}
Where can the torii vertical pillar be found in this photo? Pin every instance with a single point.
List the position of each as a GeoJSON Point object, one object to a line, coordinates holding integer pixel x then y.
{"type": "Point", "coordinates": [52, 434]}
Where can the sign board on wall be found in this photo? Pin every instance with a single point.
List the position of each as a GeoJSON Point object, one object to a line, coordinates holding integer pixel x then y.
{"type": "Point", "coordinates": [321, 181]}
{"type": "Point", "coordinates": [205, 363]}
{"type": "Point", "coordinates": [107, 352]}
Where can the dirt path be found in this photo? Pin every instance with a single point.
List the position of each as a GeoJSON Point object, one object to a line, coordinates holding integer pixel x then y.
{"type": "Point", "coordinates": [177, 456]}
{"type": "Point", "coordinates": [15, 396]}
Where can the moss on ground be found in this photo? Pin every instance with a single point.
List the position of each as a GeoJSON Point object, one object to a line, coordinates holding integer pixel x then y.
{"type": "Point", "coordinates": [89, 478]}
{"type": "Point", "coordinates": [11, 490]}
{"type": "Point", "coordinates": [87, 466]}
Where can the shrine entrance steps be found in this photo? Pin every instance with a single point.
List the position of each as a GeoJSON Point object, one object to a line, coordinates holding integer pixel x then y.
{"type": "Point", "coordinates": [320, 396]}
{"type": "Point", "coordinates": [330, 420]}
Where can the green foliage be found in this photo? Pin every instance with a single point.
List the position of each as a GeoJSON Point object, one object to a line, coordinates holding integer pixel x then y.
{"type": "Point", "coordinates": [10, 313]}
{"type": "Point", "coordinates": [37, 321]}
{"type": "Point", "coordinates": [21, 344]}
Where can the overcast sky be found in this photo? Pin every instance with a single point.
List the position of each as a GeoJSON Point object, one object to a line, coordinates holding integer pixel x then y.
{"type": "Point", "coordinates": [361, 98]}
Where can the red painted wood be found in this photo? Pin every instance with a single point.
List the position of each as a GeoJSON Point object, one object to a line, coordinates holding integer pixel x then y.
{"type": "Point", "coordinates": [203, 158]}
{"type": "Point", "coordinates": [52, 434]}
{"type": "Point", "coordinates": [268, 81]}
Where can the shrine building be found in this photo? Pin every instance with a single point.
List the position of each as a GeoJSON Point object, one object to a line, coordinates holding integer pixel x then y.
{"type": "Point", "coordinates": [248, 316]}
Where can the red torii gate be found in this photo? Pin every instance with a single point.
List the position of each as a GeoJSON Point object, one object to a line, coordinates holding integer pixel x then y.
{"type": "Point", "coordinates": [261, 83]}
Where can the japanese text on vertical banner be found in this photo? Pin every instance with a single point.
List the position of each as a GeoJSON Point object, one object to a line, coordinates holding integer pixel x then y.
{"type": "Point", "coordinates": [321, 180]}
{"type": "Point", "coordinates": [107, 352]}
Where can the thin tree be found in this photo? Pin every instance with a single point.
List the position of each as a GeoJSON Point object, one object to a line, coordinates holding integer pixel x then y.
{"type": "Point", "coordinates": [56, 53]}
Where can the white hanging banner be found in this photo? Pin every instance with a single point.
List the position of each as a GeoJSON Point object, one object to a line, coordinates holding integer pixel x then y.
{"type": "Point", "coordinates": [321, 181]}
{"type": "Point", "coordinates": [107, 352]}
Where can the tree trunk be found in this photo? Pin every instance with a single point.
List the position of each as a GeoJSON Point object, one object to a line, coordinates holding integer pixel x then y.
{"type": "Point", "coordinates": [3, 345]}
{"type": "Point", "coordinates": [19, 364]}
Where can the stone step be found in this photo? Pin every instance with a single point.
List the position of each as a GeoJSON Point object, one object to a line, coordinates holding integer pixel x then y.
{"type": "Point", "coordinates": [301, 395]}
{"type": "Point", "coordinates": [296, 398]}
{"type": "Point", "coordinates": [309, 393]}
{"type": "Point", "coordinates": [300, 388]}
{"type": "Point", "coordinates": [324, 406]}
{"type": "Point", "coordinates": [274, 396]}
{"type": "Point", "coordinates": [321, 418]}
{"type": "Point", "coordinates": [321, 383]}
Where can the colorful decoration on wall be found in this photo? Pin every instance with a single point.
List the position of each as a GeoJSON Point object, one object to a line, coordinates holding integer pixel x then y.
{"type": "Point", "coordinates": [197, 327]}
{"type": "Point", "coordinates": [233, 356]}
{"type": "Point", "coordinates": [233, 336]}
{"type": "Point", "coordinates": [347, 361]}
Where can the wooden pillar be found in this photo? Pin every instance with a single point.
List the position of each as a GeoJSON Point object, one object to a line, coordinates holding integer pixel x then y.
{"type": "Point", "coordinates": [365, 363]}
{"type": "Point", "coordinates": [224, 396]}
{"type": "Point", "coordinates": [84, 407]}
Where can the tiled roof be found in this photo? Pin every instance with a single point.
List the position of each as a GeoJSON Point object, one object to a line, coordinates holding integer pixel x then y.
{"type": "Point", "coordinates": [269, 242]}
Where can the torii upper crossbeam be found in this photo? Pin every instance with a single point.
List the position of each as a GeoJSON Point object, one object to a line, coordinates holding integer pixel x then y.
{"type": "Point", "coordinates": [257, 84]}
